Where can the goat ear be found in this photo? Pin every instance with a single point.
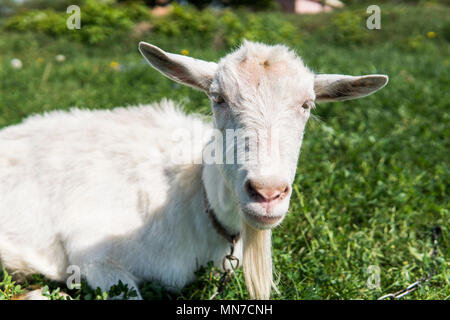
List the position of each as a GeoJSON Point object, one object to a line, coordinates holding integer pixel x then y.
{"type": "Point", "coordinates": [337, 87]}
{"type": "Point", "coordinates": [186, 70]}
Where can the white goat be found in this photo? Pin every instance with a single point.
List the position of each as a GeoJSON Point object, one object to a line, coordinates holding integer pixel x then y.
{"type": "Point", "coordinates": [100, 189]}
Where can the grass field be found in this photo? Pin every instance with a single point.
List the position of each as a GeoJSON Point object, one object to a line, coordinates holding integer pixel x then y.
{"type": "Point", "coordinates": [373, 173]}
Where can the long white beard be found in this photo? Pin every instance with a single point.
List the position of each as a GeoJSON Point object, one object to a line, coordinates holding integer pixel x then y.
{"type": "Point", "coordinates": [257, 261]}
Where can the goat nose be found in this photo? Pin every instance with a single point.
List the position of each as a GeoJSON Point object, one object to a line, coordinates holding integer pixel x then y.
{"type": "Point", "coordinates": [265, 192]}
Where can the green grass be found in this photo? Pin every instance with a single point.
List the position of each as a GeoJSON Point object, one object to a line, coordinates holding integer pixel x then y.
{"type": "Point", "coordinates": [373, 173]}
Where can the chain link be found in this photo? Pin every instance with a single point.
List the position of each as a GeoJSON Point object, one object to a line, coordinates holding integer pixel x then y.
{"type": "Point", "coordinates": [414, 286]}
{"type": "Point", "coordinates": [228, 272]}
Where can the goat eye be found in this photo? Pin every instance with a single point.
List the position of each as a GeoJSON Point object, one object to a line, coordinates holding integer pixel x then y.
{"type": "Point", "coordinates": [218, 99]}
{"type": "Point", "coordinates": [308, 105]}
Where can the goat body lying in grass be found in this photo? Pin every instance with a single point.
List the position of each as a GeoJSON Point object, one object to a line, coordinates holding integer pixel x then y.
{"type": "Point", "coordinates": [119, 195]}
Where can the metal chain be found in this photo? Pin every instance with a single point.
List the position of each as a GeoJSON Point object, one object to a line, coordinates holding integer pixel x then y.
{"type": "Point", "coordinates": [414, 286]}
{"type": "Point", "coordinates": [228, 272]}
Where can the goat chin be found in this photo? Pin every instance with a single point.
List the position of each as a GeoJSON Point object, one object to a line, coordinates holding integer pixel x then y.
{"type": "Point", "coordinates": [257, 262]}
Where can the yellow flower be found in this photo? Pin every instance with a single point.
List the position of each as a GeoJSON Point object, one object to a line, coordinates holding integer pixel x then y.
{"type": "Point", "coordinates": [431, 34]}
{"type": "Point", "coordinates": [40, 60]}
{"type": "Point", "coordinates": [185, 52]}
{"type": "Point", "coordinates": [114, 65]}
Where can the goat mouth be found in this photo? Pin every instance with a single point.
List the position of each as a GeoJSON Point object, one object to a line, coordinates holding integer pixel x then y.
{"type": "Point", "coordinates": [263, 220]}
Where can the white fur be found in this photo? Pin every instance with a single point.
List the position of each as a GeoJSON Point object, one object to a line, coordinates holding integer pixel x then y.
{"type": "Point", "coordinates": [99, 189]}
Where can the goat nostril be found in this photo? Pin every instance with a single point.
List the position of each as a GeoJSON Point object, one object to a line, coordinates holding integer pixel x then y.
{"type": "Point", "coordinates": [252, 192]}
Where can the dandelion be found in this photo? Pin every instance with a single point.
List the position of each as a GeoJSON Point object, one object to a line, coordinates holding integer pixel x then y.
{"type": "Point", "coordinates": [60, 58]}
{"type": "Point", "coordinates": [114, 65]}
{"type": "Point", "coordinates": [40, 60]}
{"type": "Point", "coordinates": [184, 52]}
{"type": "Point", "coordinates": [16, 63]}
{"type": "Point", "coordinates": [431, 34]}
